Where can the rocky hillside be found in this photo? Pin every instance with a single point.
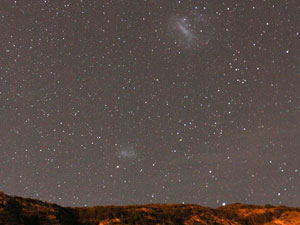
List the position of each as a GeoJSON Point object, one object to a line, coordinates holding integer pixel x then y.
{"type": "Point", "coordinates": [17, 211]}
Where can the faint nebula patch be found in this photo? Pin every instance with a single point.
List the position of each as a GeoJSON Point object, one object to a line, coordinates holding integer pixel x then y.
{"type": "Point", "coordinates": [190, 31]}
{"type": "Point", "coordinates": [126, 153]}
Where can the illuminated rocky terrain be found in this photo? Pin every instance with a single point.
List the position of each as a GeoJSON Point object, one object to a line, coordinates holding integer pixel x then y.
{"type": "Point", "coordinates": [22, 211]}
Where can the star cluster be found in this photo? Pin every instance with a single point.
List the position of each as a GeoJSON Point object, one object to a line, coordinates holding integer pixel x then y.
{"type": "Point", "coordinates": [134, 102]}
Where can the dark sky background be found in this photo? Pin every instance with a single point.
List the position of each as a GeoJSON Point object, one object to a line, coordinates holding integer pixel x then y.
{"type": "Point", "coordinates": [133, 102]}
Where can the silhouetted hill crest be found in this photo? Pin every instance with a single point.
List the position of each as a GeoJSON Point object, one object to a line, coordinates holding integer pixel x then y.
{"type": "Point", "coordinates": [25, 211]}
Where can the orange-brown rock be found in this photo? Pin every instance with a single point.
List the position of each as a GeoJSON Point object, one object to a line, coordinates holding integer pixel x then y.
{"type": "Point", "coordinates": [22, 211]}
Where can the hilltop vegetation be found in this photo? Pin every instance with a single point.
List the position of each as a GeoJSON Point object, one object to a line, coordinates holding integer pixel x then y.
{"type": "Point", "coordinates": [16, 210]}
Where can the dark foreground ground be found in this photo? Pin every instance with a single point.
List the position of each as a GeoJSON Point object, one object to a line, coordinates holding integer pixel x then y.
{"type": "Point", "coordinates": [17, 211]}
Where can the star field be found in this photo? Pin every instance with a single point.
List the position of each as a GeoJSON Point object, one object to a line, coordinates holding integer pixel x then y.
{"type": "Point", "coordinates": [133, 102]}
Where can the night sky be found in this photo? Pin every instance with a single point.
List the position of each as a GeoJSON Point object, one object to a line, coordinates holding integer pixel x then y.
{"type": "Point", "coordinates": [133, 102]}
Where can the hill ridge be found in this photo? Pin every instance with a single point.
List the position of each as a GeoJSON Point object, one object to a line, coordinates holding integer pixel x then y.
{"type": "Point", "coordinates": [16, 210]}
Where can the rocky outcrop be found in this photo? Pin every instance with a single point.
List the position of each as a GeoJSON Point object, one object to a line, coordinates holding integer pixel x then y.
{"type": "Point", "coordinates": [16, 210]}
{"type": "Point", "coordinates": [22, 211]}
